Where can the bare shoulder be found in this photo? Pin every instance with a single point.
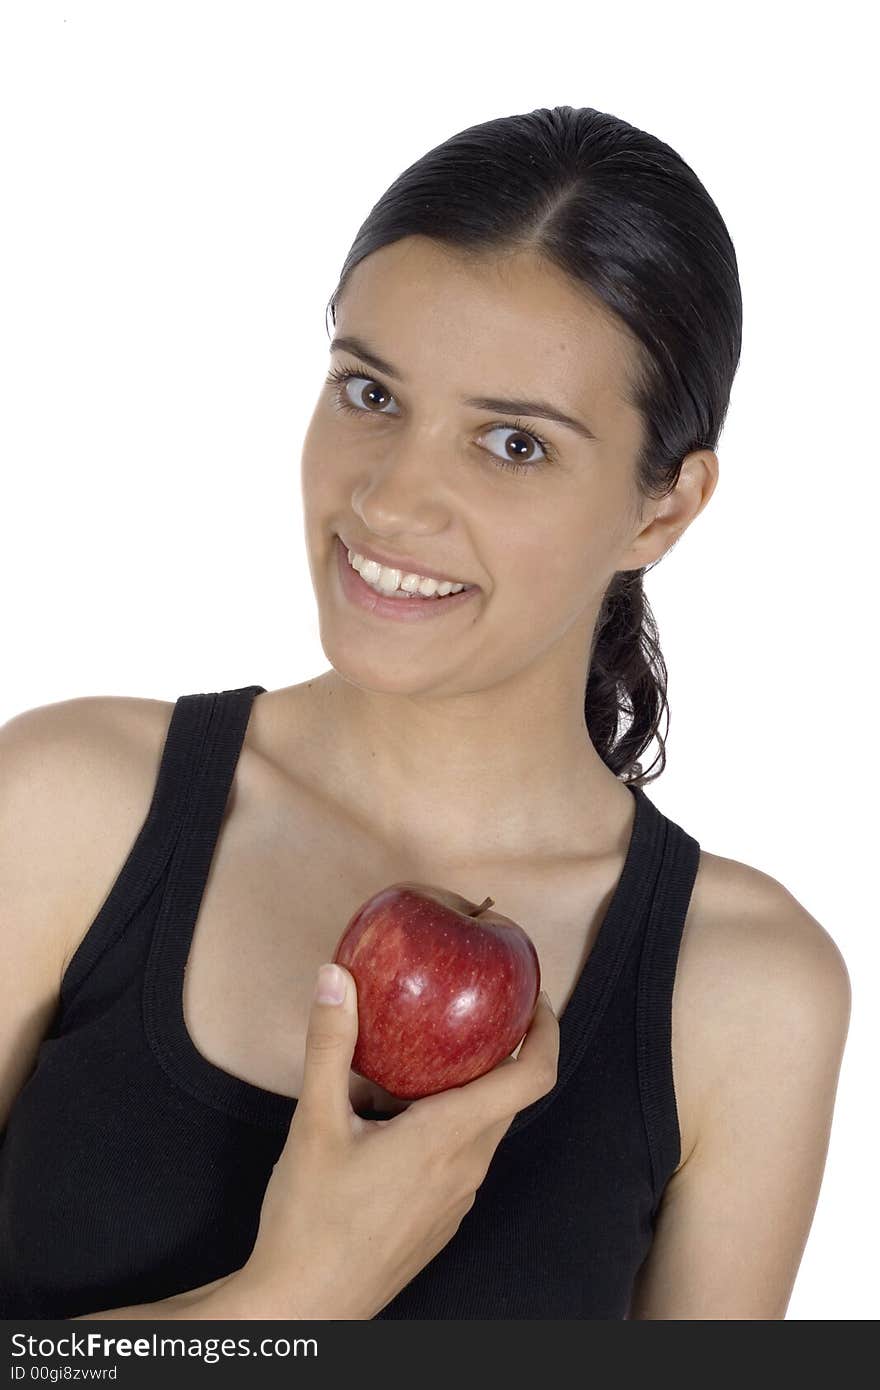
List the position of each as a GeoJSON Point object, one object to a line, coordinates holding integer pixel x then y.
{"type": "Point", "coordinates": [760, 1019]}
{"type": "Point", "coordinates": [53, 724]}
{"type": "Point", "coordinates": [756, 971]}
{"type": "Point", "coordinates": [78, 777]}
{"type": "Point", "coordinates": [74, 791]}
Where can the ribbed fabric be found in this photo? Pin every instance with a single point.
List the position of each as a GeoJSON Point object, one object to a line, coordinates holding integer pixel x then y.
{"type": "Point", "coordinates": [131, 1168]}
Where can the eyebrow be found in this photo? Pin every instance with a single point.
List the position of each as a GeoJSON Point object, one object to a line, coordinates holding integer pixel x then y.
{"type": "Point", "coordinates": [505, 405]}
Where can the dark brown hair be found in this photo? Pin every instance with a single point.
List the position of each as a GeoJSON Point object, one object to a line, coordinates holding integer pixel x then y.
{"type": "Point", "coordinates": [631, 224]}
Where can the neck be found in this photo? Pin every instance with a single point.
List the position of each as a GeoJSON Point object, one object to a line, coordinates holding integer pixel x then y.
{"type": "Point", "coordinates": [505, 773]}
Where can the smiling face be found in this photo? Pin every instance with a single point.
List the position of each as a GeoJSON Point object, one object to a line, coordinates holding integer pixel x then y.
{"type": "Point", "coordinates": [403, 463]}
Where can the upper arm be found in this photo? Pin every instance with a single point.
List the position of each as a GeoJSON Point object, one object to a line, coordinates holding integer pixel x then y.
{"type": "Point", "coordinates": [60, 768]}
{"type": "Point", "coordinates": [734, 1219]}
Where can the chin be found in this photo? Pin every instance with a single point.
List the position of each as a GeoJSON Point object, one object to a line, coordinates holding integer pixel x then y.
{"type": "Point", "coordinates": [367, 670]}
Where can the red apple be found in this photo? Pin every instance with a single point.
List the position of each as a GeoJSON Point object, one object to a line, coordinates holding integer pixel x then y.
{"type": "Point", "coordinates": [446, 989]}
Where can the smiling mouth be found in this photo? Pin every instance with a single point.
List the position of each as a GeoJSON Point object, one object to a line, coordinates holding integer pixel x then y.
{"type": "Point", "coordinates": [412, 585]}
{"type": "Point", "coordinates": [403, 606]}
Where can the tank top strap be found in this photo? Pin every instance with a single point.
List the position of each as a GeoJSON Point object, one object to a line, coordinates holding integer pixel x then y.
{"type": "Point", "coordinates": [656, 978]}
{"type": "Point", "coordinates": [224, 719]}
{"type": "Point", "coordinates": [175, 794]}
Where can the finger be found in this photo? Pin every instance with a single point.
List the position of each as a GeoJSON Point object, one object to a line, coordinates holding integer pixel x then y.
{"type": "Point", "coordinates": [330, 1040]}
{"type": "Point", "coordinates": [518, 1081]}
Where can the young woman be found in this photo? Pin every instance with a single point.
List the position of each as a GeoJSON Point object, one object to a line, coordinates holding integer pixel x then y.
{"type": "Point", "coordinates": [535, 336]}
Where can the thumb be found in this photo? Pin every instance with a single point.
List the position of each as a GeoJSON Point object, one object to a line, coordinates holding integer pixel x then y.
{"type": "Point", "coordinates": [330, 1039]}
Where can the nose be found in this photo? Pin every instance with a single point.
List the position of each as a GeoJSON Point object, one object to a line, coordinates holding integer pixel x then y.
{"type": "Point", "coordinates": [403, 492]}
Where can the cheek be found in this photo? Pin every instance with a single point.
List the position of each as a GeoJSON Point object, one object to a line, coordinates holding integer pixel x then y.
{"type": "Point", "coordinates": [552, 576]}
{"type": "Point", "coordinates": [330, 462]}
{"type": "Point", "coordinates": [319, 467]}
{"type": "Point", "coordinates": [539, 591]}
{"type": "Point", "coordinates": [563, 561]}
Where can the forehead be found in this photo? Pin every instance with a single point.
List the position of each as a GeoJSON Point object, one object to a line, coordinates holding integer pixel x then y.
{"type": "Point", "coordinates": [488, 320]}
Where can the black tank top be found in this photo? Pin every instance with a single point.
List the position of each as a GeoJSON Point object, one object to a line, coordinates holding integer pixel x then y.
{"type": "Point", "coordinates": [131, 1168]}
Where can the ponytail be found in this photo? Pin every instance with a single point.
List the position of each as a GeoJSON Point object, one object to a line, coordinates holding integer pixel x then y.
{"type": "Point", "coordinates": [627, 681]}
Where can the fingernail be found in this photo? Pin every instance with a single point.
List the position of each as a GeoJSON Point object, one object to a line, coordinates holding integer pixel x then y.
{"type": "Point", "coordinates": [330, 985]}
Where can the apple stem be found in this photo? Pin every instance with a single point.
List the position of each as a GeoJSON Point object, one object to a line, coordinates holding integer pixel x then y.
{"type": "Point", "coordinates": [487, 902]}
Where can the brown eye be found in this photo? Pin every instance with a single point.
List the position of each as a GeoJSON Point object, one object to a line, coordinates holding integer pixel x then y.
{"type": "Point", "coordinates": [341, 376]}
{"type": "Point", "coordinates": [522, 464]}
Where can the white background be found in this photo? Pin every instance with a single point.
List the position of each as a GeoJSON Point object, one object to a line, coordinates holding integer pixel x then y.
{"type": "Point", "coordinates": [181, 184]}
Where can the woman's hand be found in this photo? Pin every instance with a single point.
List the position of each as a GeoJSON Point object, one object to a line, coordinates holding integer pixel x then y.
{"type": "Point", "coordinates": [354, 1208]}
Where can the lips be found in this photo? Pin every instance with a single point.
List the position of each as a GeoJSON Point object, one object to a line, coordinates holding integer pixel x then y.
{"type": "Point", "coordinates": [406, 566]}
{"type": "Point", "coordinates": [400, 608]}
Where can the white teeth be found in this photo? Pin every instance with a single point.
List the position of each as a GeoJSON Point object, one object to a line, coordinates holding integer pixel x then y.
{"type": "Point", "coordinates": [390, 581]}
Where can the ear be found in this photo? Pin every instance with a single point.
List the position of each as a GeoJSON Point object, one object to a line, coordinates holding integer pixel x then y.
{"type": "Point", "coordinates": [663, 521]}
